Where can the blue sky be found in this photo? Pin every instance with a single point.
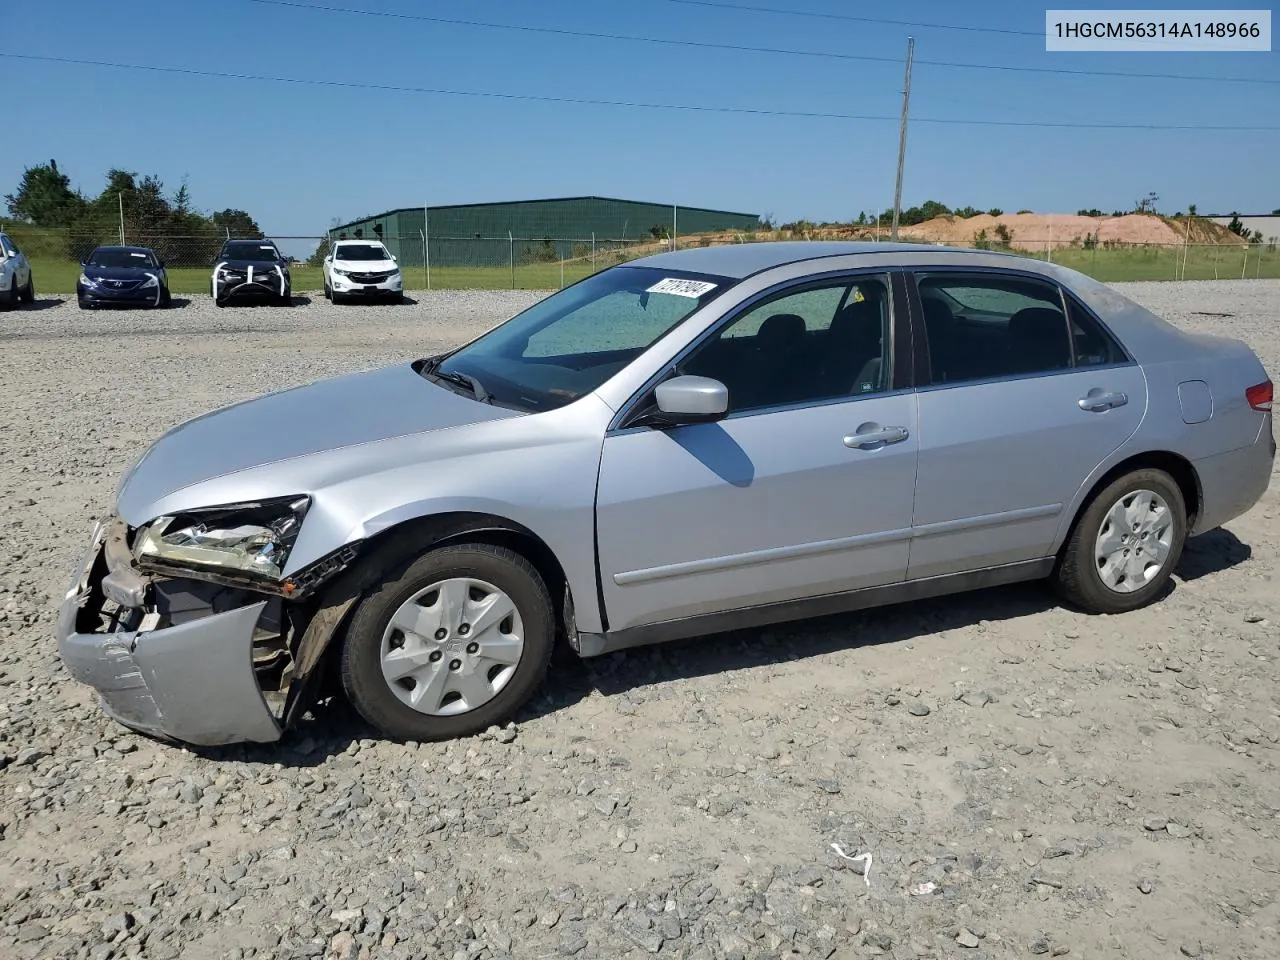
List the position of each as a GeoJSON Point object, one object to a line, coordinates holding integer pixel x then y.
{"type": "Point", "coordinates": [297, 156]}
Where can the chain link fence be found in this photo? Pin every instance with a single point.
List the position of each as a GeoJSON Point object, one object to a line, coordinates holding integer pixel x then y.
{"type": "Point", "coordinates": [548, 263]}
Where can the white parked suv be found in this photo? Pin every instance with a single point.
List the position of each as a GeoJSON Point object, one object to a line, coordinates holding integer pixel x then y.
{"type": "Point", "coordinates": [16, 282]}
{"type": "Point", "coordinates": [361, 268]}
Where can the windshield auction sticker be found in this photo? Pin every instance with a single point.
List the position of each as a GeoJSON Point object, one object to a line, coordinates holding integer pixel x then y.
{"type": "Point", "coordinates": [682, 288]}
{"type": "Point", "coordinates": [1177, 31]}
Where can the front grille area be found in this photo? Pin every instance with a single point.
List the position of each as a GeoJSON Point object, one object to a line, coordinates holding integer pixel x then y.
{"type": "Point", "coordinates": [118, 285]}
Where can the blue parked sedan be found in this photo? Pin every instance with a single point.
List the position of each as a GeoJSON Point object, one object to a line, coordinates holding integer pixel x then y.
{"type": "Point", "coordinates": [123, 276]}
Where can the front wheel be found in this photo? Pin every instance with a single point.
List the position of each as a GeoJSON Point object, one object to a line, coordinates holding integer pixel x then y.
{"type": "Point", "coordinates": [1123, 549]}
{"type": "Point", "coordinates": [449, 644]}
{"type": "Point", "coordinates": [28, 294]}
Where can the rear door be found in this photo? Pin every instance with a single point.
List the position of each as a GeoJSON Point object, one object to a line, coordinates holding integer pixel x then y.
{"type": "Point", "coordinates": [1023, 393]}
{"type": "Point", "coordinates": [788, 497]}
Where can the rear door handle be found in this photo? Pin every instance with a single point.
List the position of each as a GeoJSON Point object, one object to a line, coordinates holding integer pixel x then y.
{"type": "Point", "coordinates": [1096, 401]}
{"type": "Point", "coordinates": [874, 435]}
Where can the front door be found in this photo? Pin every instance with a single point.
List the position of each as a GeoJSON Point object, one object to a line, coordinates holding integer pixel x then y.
{"type": "Point", "coordinates": [1024, 402]}
{"type": "Point", "coordinates": [791, 495]}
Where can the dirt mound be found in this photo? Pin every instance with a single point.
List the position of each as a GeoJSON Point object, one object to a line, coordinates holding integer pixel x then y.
{"type": "Point", "coordinates": [1042, 231]}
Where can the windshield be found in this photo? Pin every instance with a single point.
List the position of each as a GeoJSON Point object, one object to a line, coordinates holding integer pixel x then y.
{"type": "Point", "coordinates": [121, 258]}
{"type": "Point", "coordinates": [360, 251]}
{"type": "Point", "coordinates": [249, 250]}
{"type": "Point", "coordinates": [573, 341]}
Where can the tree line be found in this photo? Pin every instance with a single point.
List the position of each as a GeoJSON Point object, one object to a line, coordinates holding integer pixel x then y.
{"type": "Point", "coordinates": [151, 216]}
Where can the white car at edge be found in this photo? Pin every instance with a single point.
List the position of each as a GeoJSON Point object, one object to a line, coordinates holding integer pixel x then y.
{"type": "Point", "coordinates": [16, 282]}
{"type": "Point", "coordinates": [363, 269]}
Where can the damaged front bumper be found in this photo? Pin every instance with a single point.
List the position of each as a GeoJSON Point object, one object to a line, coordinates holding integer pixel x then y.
{"type": "Point", "coordinates": [184, 665]}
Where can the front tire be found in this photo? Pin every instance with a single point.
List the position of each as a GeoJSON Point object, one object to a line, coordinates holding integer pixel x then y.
{"type": "Point", "coordinates": [1124, 547]}
{"type": "Point", "coordinates": [28, 295]}
{"type": "Point", "coordinates": [449, 644]}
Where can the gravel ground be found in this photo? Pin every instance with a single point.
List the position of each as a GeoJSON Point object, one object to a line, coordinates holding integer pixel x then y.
{"type": "Point", "coordinates": [1028, 781]}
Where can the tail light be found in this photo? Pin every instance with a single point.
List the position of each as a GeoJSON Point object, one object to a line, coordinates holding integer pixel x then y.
{"type": "Point", "coordinates": [1260, 397]}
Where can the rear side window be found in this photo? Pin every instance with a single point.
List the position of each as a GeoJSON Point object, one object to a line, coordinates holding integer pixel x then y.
{"type": "Point", "coordinates": [1094, 346]}
{"type": "Point", "coordinates": [981, 326]}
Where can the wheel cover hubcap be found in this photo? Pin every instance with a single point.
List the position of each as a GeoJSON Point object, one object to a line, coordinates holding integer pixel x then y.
{"type": "Point", "coordinates": [452, 646]}
{"type": "Point", "coordinates": [1134, 542]}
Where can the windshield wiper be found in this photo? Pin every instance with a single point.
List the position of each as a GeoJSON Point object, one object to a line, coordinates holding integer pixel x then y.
{"type": "Point", "coordinates": [465, 380]}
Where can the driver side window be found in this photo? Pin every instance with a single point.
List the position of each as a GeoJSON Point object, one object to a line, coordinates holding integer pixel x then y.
{"type": "Point", "coordinates": [820, 343]}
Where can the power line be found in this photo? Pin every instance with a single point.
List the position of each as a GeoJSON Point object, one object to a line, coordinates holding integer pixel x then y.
{"type": "Point", "coordinates": [742, 48]}
{"type": "Point", "coordinates": [586, 101]}
{"type": "Point", "coordinates": [851, 18]}
{"type": "Point", "coordinates": [584, 34]}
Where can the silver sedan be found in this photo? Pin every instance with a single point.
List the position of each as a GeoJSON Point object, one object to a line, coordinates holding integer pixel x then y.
{"type": "Point", "coordinates": [691, 442]}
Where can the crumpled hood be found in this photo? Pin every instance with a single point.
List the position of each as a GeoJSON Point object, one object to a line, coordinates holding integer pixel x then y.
{"type": "Point", "coordinates": [325, 415]}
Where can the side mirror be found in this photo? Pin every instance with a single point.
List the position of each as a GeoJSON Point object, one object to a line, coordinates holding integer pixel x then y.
{"type": "Point", "coordinates": [689, 399]}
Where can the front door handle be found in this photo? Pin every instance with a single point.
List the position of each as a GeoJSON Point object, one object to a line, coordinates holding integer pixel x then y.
{"type": "Point", "coordinates": [872, 434]}
{"type": "Point", "coordinates": [1096, 401]}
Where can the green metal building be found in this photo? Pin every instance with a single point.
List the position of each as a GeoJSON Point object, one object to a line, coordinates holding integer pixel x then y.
{"type": "Point", "coordinates": [528, 231]}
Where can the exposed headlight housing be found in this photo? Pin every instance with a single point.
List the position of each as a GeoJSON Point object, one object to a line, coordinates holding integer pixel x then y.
{"type": "Point", "coordinates": [251, 539]}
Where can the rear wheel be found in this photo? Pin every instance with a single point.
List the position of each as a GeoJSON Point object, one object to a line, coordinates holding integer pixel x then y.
{"type": "Point", "coordinates": [1125, 545]}
{"type": "Point", "coordinates": [449, 644]}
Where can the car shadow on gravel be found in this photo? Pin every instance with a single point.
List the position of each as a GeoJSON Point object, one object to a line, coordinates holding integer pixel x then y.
{"type": "Point", "coordinates": [40, 303]}
{"type": "Point", "coordinates": [1211, 552]}
{"type": "Point", "coordinates": [332, 726]}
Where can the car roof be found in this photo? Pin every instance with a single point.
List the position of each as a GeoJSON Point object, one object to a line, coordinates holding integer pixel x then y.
{"type": "Point", "coordinates": [124, 249]}
{"type": "Point", "coordinates": [740, 260]}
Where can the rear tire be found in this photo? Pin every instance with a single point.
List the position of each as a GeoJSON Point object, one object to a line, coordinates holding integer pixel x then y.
{"type": "Point", "coordinates": [1125, 544]}
{"type": "Point", "coordinates": [444, 649]}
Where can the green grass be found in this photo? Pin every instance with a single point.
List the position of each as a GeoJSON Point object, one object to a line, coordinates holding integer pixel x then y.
{"type": "Point", "coordinates": [1107, 265]}
{"type": "Point", "coordinates": [1166, 263]}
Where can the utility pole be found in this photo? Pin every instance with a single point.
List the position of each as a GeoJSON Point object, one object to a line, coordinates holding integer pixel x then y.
{"type": "Point", "coordinates": [120, 197]}
{"type": "Point", "coordinates": [902, 136]}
